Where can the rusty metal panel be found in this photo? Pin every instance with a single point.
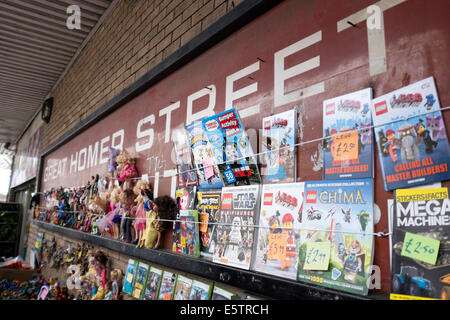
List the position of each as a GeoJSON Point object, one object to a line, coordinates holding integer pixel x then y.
{"type": "Point", "coordinates": [295, 55]}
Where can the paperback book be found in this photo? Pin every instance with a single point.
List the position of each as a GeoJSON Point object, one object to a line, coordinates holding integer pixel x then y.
{"type": "Point", "coordinates": [208, 215]}
{"type": "Point", "coordinates": [200, 290]}
{"type": "Point", "coordinates": [236, 230]}
{"type": "Point", "coordinates": [128, 282]}
{"type": "Point", "coordinates": [182, 288]}
{"type": "Point", "coordinates": [186, 234]}
{"type": "Point", "coordinates": [141, 279]}
{"type": "Point", "coordinates": [412, 140]}
{"type": "Point", "coordinates": [280, 220]}
{"type": "Point", "coordinates": [339, 216]}
{"type": "Point", "coordinates": [221, 294]}
{"type": "Point", "coordinates": [153, 284]}
{"type": "Point", "coordinates": [183, 155]}
{"type": "Point", "coordinates": [167, 287]}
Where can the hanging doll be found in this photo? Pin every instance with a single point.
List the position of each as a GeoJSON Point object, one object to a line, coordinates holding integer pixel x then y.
{"type": "Point", "coordinates": [125, 167]}
{"type": "Point", "coordinates": [128, 214]}
{"type": "Point", "coordinates": [112, 166]}
{"type": "Point", "coordinates": [100, 262]}
{"type": "Point", "coordinates": [163, 208]}
{"type": "Point", "coordinates": [140, 221]}
{"type": "Point", "coordinates": [114, 216]}
{"type": "Point", "coordinates": [116, 278]}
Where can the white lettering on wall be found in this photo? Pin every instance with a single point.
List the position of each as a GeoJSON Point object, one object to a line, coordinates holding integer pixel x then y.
{"type": "Point", "coordinates": [118, 134]}
{"type": "Point", "coordinates": [82, 159]}
{"type": "Point", "coordinates": [104, 150]}
{"type": "Point", "coordinates": [209, 91]}
{"type": "Point", "coordinates": [140, 134]}
{"type": "Point", "coordinates": [168, 111]}
{"type": "Point", "coordinates": [92, 155]}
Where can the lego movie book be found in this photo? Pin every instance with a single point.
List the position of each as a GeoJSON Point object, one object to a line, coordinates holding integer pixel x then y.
{"type": "Point", "coordinates": [153, 284]}
{"type": "Point", "coordinates": [278, 147]}
{"type": "Point", "coordinates": [420, 249]}
{"type": "Point", "coordinates": [167, 286]}
{"type": "Point", "coordinates": [232, 149]}
{"type": "Point", "coordinates": [347, 132]}
{"type": "Point", "coordinates": [183, 155]}
{"type": "Point", "coordinates": [278, 238]}
{"type": "Point", "coordinates": [236, 232]}
{"type": "Point", "coordinates": [204, 161]}
{"type": "Point", "coordinates": [128, 281]}
{"type": "Point", "coordinates": [341, 214]}
{"type": "Point", "coordinates": [208, 213]}
{"type": "Point", "coordinates": [140, 280]}
{"type": "Point", "coordinates": [412, 140]}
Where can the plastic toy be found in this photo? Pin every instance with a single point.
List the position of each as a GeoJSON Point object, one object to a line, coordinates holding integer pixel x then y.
{"type": "Point", "coordinates": [410, 281]}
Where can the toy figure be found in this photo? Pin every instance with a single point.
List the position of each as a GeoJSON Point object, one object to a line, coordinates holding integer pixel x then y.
{"type": "Point", "coordinates": [353, 262]}
{"type": "Point", "coordinates": [274, 223]}
{"type": "Point", "coordinates": [430, 101]}
{"type": "Point", "coordinates": [116, 277]}
{"type": "Point", "coordinates": [347, 214]}
{"type": "Point", "coordinates": [125, 168]}
{"type": "Point", "coordinates": [291, 246]}
{"type": "Point", "coordinates": [408, 147]}
{"type": "Point", "coordinates": [99, 293]}
{"type": "Point", "coordinates": [127, 201]}
{"type": "Point", "coordinates": [142, 190]}
{"type": "Point", "coordinates": [113, 153]}
{"type": "Point", "coordinates": [391, 145]}
{"type": "Point", "coordinates": [436, 127]}
{"type": "Point", "coordinates": [165, 208]}
{"type": "Point", "coordinates": [363, 218]}
{"type": "Point", "coordinates": [100, 261]}
{"type": "Point", "coordinates": [423, 135]}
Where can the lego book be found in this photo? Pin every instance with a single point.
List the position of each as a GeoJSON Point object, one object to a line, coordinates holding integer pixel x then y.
{"type": "Point", "coordinates": [235, 234]}
{"type": "Point", "coordinates": [232, 150]}
{"type": "Point", "coordinates": [128, 281]}
{"type": "Point", "coordinates": [279, 136]}
{"type": "Point", "coordinates": [183, 156]}
{"type": "Point", "coordinates": [140, 281]}
{"type": "Point", "coordinates": [221, 294]}
{"type": "Point", "coordinates": [186, 234]}
{"type": "Point", "coordinates": [208, 216]}
{"type": "Point", "coordinates": [278, 238]}
{"type": "Point", "coordinates": [182, 288]}
{"type": "Point", "coordinates": [204, 161]}
{"type": "Point", "coordinates": [167, 287]}
{"type": "Point", "coordinates": [413, 148]}
{"type": "Point", "coordinates": [153, 284]}
{"type": "Point", "coordinates": [420, 244]}
{"type": "Point", "coordinates": [347, 133]}
{"type": "Point", "coordinates": [200, 290]}
{"type": "Point", "coordinates": [337, 222]}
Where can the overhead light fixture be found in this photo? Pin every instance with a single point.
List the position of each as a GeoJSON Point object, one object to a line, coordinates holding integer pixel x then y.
{"type": "Point", "coordinates": [47, 109]}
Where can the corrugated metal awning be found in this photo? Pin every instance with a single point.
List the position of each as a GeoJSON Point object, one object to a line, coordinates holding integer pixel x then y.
{"type": "Point", "coordinates": [36, 50]}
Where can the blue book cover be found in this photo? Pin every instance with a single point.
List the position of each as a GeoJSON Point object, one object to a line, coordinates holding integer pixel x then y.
{"type": "Point", "coordinates": [413, 148]}
{"type": "Point", "coordinates": [130, 276]}
{"type": "Point", "coordinates": [347, 132]}
{"type": "Point", "coordinates": [340, 213]}
{"type": "Point", "coordinates": [232, 149]}
{"type": "Point", "coordinates": [204, 161]}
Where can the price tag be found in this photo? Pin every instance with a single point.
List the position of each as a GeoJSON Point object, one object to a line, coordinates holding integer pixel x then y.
{"type": "Point", "coordinates": [276, 249]}
{"type": "Point", "coordinates": [229, 176]}
{"type": "Point", "coordinates": [208, 169]}
{"type": "Point", "coordinates": [183, 242]}
{"type": "Point", "coordinates": [167, 296]}
{"type": "Point", "coordinates": [420, 248]}
{"type": "Point", "coordinates": [317, 255]}
{"type": "Point", "coordinates": [345, 146]}
{"type": "Point", "coordinates": [204, 218]}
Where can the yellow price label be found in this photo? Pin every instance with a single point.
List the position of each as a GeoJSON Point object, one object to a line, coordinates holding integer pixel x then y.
{"type": "Point", "coordinates": [317, 255]}
{"type": "Point", "coordinates": [276, 249]}
{"type": "Point", "coordinates": [345, 146]}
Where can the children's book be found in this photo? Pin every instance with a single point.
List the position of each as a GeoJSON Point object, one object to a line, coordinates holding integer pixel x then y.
{"type": "Point", "coordinates": [200, 290]}
{"type": "Point", "coordinates": [236, 229]}
{"type": "Point", "coordinates": [221, 294]}
{"type": "Point", "coordinates": [337, 243]}
{"type": "Point", "coordinates": [140, 281]}
{"type": "Point", "coordinates": [128, 282]}
{"type": "Point", "coordinates": [279, 137]}
{"type": "Point", "coordinates": [420, 244]}
{"type": "Point", "coordinates": [167, 286]}
{"type": "Point", "coordinates": [186, 198]}
{"type": "Point", "coordinates": [182, 288]}
{"type": "Point", "coordinates": [278, 239]}
{"type": "Point", "coordinates": [412, 141]}
{"type": "Point", "coordinates": [153, 284]}
{"type": "Point", "coordinates": [231, 148]}
{"type": "Point", "coordinates": [347, 133]}
{"type": "Point", "coordinates": [186, 234]}
{"type": "Point", "coordinates": [208, 215]}
{"type": "Point", "coordinates": [183, 155]}
{"type": "Point", "coordinates": [204, 161]}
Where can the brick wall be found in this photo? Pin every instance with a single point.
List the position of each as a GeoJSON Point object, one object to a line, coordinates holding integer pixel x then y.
{"type": "Point", "coordinates": [134, 38]}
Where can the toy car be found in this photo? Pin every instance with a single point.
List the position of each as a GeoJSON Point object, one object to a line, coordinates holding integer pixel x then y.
{"type": "Point", "coordinates": [409, 281]}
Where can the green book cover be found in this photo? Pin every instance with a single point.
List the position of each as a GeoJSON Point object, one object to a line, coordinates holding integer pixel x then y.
{"type": "Point", "coordinates": [141, 280]}
{"type": "Point", "coordinates": [182, 288]}
{"type": "Point", "coordinates": [153, 284]}
{"type": "Point", "coordinates": [200, 290]}
{"type": "Point", "coordinates": [168, 282]}
{"type": "Point", "coordinates": [189, 233]}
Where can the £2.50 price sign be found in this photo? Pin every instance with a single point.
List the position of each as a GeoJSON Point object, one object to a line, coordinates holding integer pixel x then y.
{"type": "Point", "coordinates": [421, 248]}
{"type": "Point", "coordinates": [317, 255]}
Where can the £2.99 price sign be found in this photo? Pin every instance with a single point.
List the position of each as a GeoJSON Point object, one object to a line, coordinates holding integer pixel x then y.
{"type": "Point", "coordinates": [317, 255]}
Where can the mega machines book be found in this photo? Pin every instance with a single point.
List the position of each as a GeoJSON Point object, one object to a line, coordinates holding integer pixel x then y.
{"type": "Point", "coordinates": [425, 214]}
{"type": "Point", "coordinates": [412, 141]}
{"type": "Point", "coordinates": [347, 132]}
{"type": "Point", "coordinates": [278, 239]}
{"type": "Point", "coordinates": [278, 147]}
{"type": "Point", "coordinates": [340, 213]}
{"type": "Point", "coordinates": [236, 232]}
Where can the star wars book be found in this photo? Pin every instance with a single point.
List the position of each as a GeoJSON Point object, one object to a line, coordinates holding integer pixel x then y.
{"type": "Point", "coordinates": [208, 215]}
{"type": "Point", "coordinates": [412, 140]}
{"type": "Point", "coordinates": [221, 294]}
{"type": "Point", "coordinates": [200, 290]}
{"type": "Point", "coordinates": [278, 238]}
{"type": "Point", "coordinates": [128, 282]}
{"type": "Point", "coordinates": [182, 288]}
{"type": "Point", "coordinates": [183, 155]}
{"type": "Point", "coordinates": [167, 287]}
{"type": "Point", "coordinates": [236, 232]}
{"type": "Point", "coordinates": [279, 136]}
{"type": "Point", "coordinates": [337, 215]}
{"type": "Point", "coordinates": [232, 150]}
{"type": "Point", "coordinates": [204, 160]}
{"type": "Point", "coordinates": [140, 281]}
{"type": "Point", "coordinates": [420, 244]}
{"type": "Point", "coordinates": [347, 133]}
{"type": "Point", "coordinates": [186, 234]}
{"type": "Point", "coordinates": [153, 284]}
